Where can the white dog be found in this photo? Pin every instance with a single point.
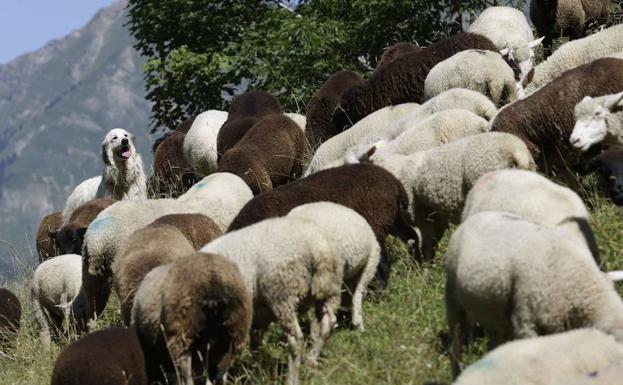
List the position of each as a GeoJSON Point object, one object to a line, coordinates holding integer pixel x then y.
{"type": "Point", "coordinates": [123, 177]}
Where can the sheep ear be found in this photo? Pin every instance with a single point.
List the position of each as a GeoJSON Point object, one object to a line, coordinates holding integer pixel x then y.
{"type": "Point", "coordinates": [105, 154]}
{"type": "Point", "coordinates": [612, 102]}
{"type": "Point", "coordinates": [615, 276]}
{"type": "Point", "coordinates": [365, 158]}
{"type": "Point", "coordinates": [505, 51]}
{"type": "Point", "coordinates": [528, 78]}
{"type": "Point", "coordinates": [536, 43]}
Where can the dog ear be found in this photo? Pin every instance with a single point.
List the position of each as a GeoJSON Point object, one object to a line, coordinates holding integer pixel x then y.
{"type": "Point", "coordinates": [105, 153]}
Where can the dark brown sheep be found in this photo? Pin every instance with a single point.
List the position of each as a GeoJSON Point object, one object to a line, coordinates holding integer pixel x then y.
{"type": "Point", "coordinates": [544, 120]}
{"type": "Point", "coordinates": [397, 50]}
{"type": "Point", "coordinates": [170, 165]}
{"type": "Point", "coordinates": [270, 154]}
{"type": "Point", "coordinates": [609, 166]}
{"type": "Point", "coordinates": [70, 237]}
{"type": "Point", "coordinates": [402, 80]}
{"type": "Point", "coordinates": [243, 113]}
{"type": "Point", "coordinates": [111, 356]}
{"type": "Point", "coordinates": [320, 109]}
{"type": "Point", "coordinates": [555, 18]}
{"type": "Point", "coordinates": [46, 247]}
{"type": "Point", "coordinates": [10, 316]}
{"type": "Point", "coordinates": [370, 190]}
{"type": "Point", "coordinates": [197, 228]}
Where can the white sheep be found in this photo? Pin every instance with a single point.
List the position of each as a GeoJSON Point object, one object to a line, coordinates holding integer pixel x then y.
{"type": "Point", "coordinates": [473, 69]}
{"type": "Point", "coordinates": [509, 30]}
{"type": "Point", "coordinates": [598, 120]}
{"type": "Point", "coordinates": [438, 180]}
{"type": "Point", "coordinates": [570, 55]}
{"type": "Point", "coordinates": [84, 192]}
{"type": "Point", "coordinates": [518, 279]}
{"type": "Point", "coordinates": [556, 359]}
{"type": "Point", "coordinates": [300, 120]}
{"type": "Point", "coordinates": [297, 270]}
{"type": "Point", "coordinates": [219, 196]}
{"type": "Point", "coordinates": [200, 141]}
{"type": "Point", "coordinates": [57, 297]}
{"type": "Point", "coordinates": [352, 240]}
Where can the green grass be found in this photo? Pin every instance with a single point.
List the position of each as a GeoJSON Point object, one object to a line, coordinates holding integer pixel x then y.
{"type": "Point", "coordinates": [401, 344]}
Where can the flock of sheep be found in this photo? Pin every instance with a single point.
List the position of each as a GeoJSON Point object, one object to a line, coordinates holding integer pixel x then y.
{"type": "Point", "coordinates": [290, 219]}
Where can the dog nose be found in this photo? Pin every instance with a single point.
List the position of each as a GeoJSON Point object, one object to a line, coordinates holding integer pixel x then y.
{"type": "Point", "coordinates": [124, 141]}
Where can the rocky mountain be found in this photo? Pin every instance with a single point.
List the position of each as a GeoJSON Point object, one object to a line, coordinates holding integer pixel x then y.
{"type": "Point", "coordinates": [56, 104]}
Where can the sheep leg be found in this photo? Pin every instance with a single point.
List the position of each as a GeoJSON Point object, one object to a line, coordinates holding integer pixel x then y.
{"type": "Point", "coordinates": [42, 322]}
{"type": "Point", "coordinates": [457, 325]}
{"type": "Point", "coordinates": [523, 326]}
{"type": "Point", "coordinates": [327, 322]}
{"type": "Point", "coordinates": [362, 285]}
{"type": "Point", "coordinates": [184, 366]}
{"type": "Point", "coordinates": [287, 316]}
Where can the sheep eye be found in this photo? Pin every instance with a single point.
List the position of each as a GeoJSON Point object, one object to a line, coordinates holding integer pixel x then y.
{"type": "Point", "coordinates": [114, 138]}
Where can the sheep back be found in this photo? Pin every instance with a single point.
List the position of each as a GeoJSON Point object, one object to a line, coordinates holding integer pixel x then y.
{"type": "Point", "coordinates": [70, 237]}
{"type": "Point", "coordinates": [170, 165]}
{"type": "Point", "coordinates": [200, 142]}
{"type": "Point", "coordinates": [197, 228]}
{"type": "Point", "coordinates": [46, 246]}
{"type": "Point", "coordinates": [399, 49]}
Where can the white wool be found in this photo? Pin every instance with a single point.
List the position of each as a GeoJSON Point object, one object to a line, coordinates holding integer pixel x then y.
{"type": "Point", "coordinates": [300, 120]}
{"type": "Point", "coordinates": [200, 141]}
{"type": "Point", "coordinates": [83, 193]}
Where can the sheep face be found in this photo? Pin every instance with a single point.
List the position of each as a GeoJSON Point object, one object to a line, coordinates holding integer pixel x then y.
{"type": "Point", "coordinates": [69, 240]}
{"type": "Point", "coordinates": [118, 146]}
{"type": "Point", "coordinates": [592, 120]}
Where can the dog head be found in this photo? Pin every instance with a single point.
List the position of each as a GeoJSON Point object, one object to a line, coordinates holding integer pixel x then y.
{"type": "Point", "coordinates": [118, 146]}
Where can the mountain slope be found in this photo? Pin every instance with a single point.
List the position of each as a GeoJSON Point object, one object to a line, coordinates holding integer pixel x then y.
{"type": "Point", "coordinates": [56, 104]}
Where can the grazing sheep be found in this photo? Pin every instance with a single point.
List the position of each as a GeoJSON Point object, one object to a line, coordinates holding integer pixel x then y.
{"type": "Point", "coordinates": [509, 30]}
{"type": "Point", "coordinates": [320, 109]}
{"type": "Point", "coordinates": [46, 246]}
{"type": "Point", "coordinates": [598, 120]}
{"type": "Point", "coordinates": [70, 237]}
{"type": "Point", "coordinates": [438, 180]}
{"type": "Point", "coordinates": [219, 196]}
{"type": "Point", "coordinates": [57, 297]}
{"type": "Point", "coordinates": [10, 317]}
{"type": "Point", "coordinates": [244, 112]}
{"type": "Point", "coordinates": [473, 69]}
{"type": "Point", "coordinates": [556, 359]}
{"type": "Point", "coordinates": [353, 241]}
{"type": "Point", "coordinates": [200, 141]}
{"type": "Point", "coordinates": [609, 167]}
{"type": "Point", "coordinates": [605, 376]}
{"type": "Point", "coordinates": [571, 55]}
{"type": "Point", "coordinates": [111, 356]}
{"type": "Point", "coordinates": [204, 315]}
{"type": "Point", "coordinates": [544, 120]}
{"type": "Point", "coordinates": [518, 279]}
{"type": "Point", "coordinates": [331, 152]}
{"type": "Point", "coordinates": [268, 155]}
{"type": "Point", "coordinates": [197, 228]}
{"type": "Point", "coordinates": [295, 272]}
{"type": "Point", "coordinates": [144, 250]}
{"type": "Point", "coordinates": [170, 166]}
{"type": "Point", "coordinates": [397, 50]}
{"type": "Point", "coordinates": [402, 80]}
{"type": "Point", "coordinates": [566, 17]}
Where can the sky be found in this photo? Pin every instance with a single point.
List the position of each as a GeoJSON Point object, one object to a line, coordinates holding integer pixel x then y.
{"type": "Point", "coordinates": [26, 25]}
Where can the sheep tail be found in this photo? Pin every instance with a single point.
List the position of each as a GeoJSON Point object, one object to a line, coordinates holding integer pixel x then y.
{"type": "Point", "coordinates": [327, 277]}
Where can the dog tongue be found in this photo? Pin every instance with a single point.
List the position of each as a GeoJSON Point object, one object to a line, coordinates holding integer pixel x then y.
{"type": "Point", "coordinates": [126, 154]}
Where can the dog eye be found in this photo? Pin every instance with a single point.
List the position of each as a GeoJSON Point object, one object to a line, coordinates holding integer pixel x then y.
{"type": "Point", "coordinates": [114, 138]}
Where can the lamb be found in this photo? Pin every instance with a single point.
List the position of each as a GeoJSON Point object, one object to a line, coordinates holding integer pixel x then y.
{"type": "Point", "coordinates": [295, 272]}
{"type": "Point", "coordinates": [353, 241]}
{"type": "Point", "coordinates": [243, 113]}
{"type": "Point", "coordinates": [268, 155]}
{"type": "Point", "coordinates": [397, 50]}
{"type": "Point", "coordinates": [219, 196]}
{"type": "Point", "coordinates": [57, 297]}
{"type": "Point", "coordinates": [111, 356]}
{"type": "Point", "coordinates": [598, 120]}
{"type": "Point", "coordinates": [46, 246]}
{"type": "Point", "coordinates": [402, 80]}
{"type": "Point", "coordinates": [509, 30]}
{"type": "Point", "coordinates": [571, 55]}
{"type": "Point", "coordinates": [197, 228]}
{"type": "Point", "coordinates": [566, 17]}
{"type": "Point", "coordinates": [10, 317]}
{"type": "Point", "coordinates": [170, 166]}
{"type": "Point", "coordinates": [204, 311]}
{"type": "Point", "coordinates": [144, 250]}
{"type": "Point", "coordinates": [518, 279]}
{"type": "Point", "coordinates": [382, 206]}
{"type": "Point", "coordinates": [320, 109]}
{"type": "Point", "coordinates": [537, 361]}
{"type": "Point", "coordinates": [473, 69]}
{"type": "Point", "coordinates": [70, 237]}
{"type": "Point", "coordinates": [544, 120]}
{"type": "Point", "coordinates": [200, 141]}
{"type": "Point", "coordinates": [438, 180]}
{"type": "Point", "coordinates": [609, 167]}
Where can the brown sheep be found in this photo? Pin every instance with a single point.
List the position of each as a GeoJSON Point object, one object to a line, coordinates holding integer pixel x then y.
{"type": "Point", "coordinates": [243, 113]}
{"type": "Point", "coordinates": [609, 166]}
{"type": "Point", "coordinates": [320, 109]}
{"type": "Point", "coordinates": [197, 228]}
{"type": "Point", "coordinates": [397, 50]}
{"type": "Point", "coordinates": [111, 356]}
{"type": "Point", "coordinates": [370, 190]}
{"type": "Point", "coordinates": [46, 247]}
{"type": "Point", "coordinates": [268, 155]}
{"type": "Point", "coordinates": [69, 238]}
{"type": "Point", "coordinates": [544, 120]}
{"type": "Point", "coordinates": [170, 165]}
{"type": "Point", "coordinates": [402, 80]}
{"type": "Point", "coordinates": [143, 251]}
{"type": "Point", "coordinates": [205, 315]}
{"type": "Point", "coordinates": [10, 316]}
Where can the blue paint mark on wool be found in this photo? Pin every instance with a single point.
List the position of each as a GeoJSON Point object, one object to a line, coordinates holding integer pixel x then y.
{"type": "Point", "coordinates": [486, 362]}
{"type": "Point", "coordinates": [101, 223]}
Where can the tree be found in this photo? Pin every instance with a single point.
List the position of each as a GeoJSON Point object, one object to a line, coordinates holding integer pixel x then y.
{"type": "Point", "coordinates": [201, 53]}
